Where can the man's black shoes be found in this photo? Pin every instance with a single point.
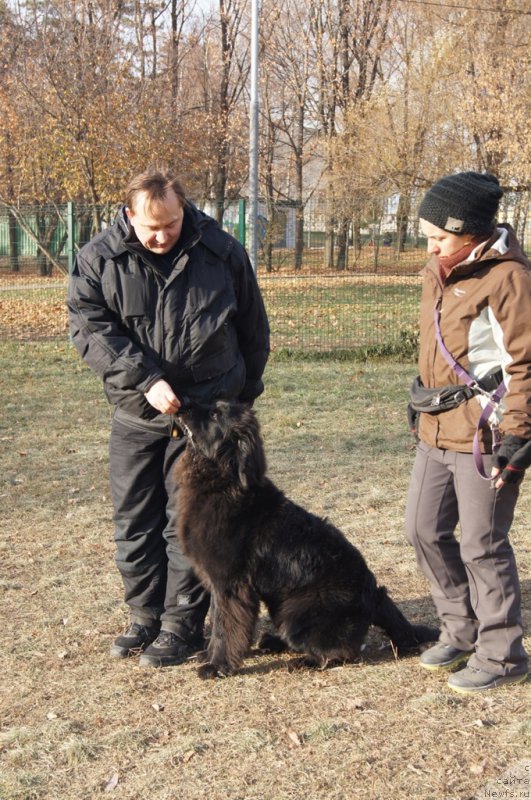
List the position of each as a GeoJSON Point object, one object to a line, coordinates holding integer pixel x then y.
{"type": "Point", "coordinates": [169, 649]}
{"type": "Point", "coordinates": [135, 639]}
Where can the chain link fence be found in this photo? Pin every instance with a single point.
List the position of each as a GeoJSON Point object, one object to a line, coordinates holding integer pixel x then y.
{"type": "Point", "coordinates": [365, 302]}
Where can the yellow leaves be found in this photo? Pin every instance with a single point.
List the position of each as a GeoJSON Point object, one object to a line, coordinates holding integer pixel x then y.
{"type": "Point", "coordinates": [33, 317]}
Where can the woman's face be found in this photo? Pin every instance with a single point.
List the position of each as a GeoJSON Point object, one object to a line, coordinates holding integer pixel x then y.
{"type": "Point", "coordinates": [442, 243]}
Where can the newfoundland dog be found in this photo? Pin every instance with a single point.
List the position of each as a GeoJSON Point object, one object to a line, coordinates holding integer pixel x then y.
{"type": "Point", "coordinates": [249, 544]}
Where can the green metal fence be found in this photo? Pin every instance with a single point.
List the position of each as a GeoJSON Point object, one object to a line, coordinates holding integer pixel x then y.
{"type": "Point", "coordinates": [369, 306]}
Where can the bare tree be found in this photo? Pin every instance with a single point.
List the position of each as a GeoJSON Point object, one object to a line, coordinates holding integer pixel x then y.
{"type": "Point", "coordinates": [349, 39]}
{"type": "Point", "coordinates": [287, 68]}
{"type": "Point", "coordinates": [9, 48]}
{"type": "Point", "coordinates": [221, 73]}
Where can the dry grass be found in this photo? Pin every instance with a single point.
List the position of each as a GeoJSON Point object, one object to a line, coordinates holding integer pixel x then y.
{"type": "Point", "coordinates": [77, 725]}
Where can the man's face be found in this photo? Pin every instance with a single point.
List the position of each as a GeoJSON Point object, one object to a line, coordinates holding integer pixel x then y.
{"type": "Point", "coordinates": [441, 242]}
{"type": "Point", "coordinates": [158, 225]}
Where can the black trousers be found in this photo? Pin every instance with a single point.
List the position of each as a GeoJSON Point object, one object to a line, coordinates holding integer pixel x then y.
{"type": "Point", "coordinates": [158, 580]}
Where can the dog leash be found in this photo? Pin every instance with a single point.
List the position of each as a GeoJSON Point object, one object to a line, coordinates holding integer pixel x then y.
{"type": "Point", "coordinates": [493, 398]}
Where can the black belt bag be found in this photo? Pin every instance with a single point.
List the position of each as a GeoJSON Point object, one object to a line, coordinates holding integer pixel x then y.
{"type": "Point", "coordinates": [444, 398]}
{"type": "Point", "coordinates": [440, 398]}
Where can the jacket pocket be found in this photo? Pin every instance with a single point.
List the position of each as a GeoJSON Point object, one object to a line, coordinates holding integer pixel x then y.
{"type": "Point", "coordinates": [127, 298]}
{"type": "Point", "coordinates": [218, 354]}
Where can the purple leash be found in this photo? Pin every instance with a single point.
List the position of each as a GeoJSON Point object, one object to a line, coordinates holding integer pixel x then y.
{"type": "Point", "coordinates": [493, 402]}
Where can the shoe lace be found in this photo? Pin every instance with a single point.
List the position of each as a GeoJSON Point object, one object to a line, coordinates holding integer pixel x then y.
{"type": "Point", "coordinates": [167, 638]}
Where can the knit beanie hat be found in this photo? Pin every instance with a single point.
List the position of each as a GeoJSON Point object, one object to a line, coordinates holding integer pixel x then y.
{"type": "Point", "coordinates": [463, 203]}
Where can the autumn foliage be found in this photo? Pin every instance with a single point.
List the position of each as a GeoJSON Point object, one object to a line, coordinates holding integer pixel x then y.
{"type": "Point", "coordinates": [360, 100]}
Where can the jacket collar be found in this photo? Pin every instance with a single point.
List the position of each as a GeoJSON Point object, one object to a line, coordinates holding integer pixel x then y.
{"type": "Point", "coordinates": [501, 246]}
{"type": "Point", "coordinates": [197, 226]}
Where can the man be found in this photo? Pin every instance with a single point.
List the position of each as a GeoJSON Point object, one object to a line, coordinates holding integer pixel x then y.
{"type": "Point", "coordinates": [475, 310]}
{"type": "Point", "coordinates": [165, 308]}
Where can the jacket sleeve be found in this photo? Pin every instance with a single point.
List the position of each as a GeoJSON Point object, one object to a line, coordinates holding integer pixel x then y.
{"type": "Point", "coordinates": [98, 335]}
{"type": "Point", "coordinates": [511, 308]}
{"type": "Point", "coordinates": [252, 325]}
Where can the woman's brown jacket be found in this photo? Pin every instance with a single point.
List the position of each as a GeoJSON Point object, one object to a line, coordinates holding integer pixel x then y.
{"type": "Point", "coordinates": [485, 323]}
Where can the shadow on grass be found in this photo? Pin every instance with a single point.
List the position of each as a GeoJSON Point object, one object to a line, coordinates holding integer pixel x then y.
{"type": "Point", "coordinates": [377, 648]}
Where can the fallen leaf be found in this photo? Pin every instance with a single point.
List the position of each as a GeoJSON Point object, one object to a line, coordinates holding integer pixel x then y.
{"type": "Point", "coordinates": [357, 703]}
{"type": "Point", "coordinates": [188, 756]}
{"type": "Point", "coordinates": [294, 737]}
{"type": "Point", "coordinates": [112, 783]}
{"type": "Point", "coordinates": [157, 707]}
{"type": "Point", "coordinates": [484, 723]}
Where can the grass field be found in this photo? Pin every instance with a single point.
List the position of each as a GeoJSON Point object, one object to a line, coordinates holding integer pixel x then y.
{"type": "Point", "coordinates": [307, 313]}
{"type": "Point", "coordinates": [76, 725]}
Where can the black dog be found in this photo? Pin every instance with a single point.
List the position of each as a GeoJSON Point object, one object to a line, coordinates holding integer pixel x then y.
{"type": "Point", "coordinates": [249, 543]}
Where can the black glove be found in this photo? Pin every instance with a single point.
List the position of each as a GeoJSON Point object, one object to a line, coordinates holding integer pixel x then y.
{"type": "Point", "coordinates": [512, 457]}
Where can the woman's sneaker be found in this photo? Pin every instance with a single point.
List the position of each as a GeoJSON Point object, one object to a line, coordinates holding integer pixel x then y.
{"type": "Point", "coordinates": [443, 656]}
{"type": "Point", "coordinates": [470, 680]}
{"type": "Point", "coordinates": [134, 640]}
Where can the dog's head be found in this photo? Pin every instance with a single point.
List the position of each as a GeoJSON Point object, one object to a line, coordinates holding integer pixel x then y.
{"type": "Point", "coordinates": [227, 434]}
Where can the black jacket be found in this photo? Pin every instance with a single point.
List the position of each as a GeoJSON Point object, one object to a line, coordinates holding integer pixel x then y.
{"type": "Point", "coordinates": [203, 329]}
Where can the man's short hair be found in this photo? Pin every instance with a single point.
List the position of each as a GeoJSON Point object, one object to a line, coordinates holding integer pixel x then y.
{"type": "Point", "coordinates": [155, 182]}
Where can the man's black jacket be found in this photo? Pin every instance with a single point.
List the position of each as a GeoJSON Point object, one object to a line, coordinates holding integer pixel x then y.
{"type": "Point", "coordinates": [203, 328]}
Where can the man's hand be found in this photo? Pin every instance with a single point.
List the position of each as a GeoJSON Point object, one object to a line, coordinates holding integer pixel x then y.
{"type": "Point", "coordinates": [162, 397]}
{"type": "Point", "coordinates": [511, 460]}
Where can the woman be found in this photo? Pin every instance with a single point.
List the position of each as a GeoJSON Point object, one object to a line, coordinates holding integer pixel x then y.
{"type": "Point", "coordinates": [475, 310]}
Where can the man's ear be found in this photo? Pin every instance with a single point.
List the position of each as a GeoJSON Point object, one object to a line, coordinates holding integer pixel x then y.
{"type": "Point", "coordinates": [129, 213]}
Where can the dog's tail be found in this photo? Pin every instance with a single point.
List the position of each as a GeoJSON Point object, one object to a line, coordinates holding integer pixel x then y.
{"type": "Point", "coordinates": [402, 633]}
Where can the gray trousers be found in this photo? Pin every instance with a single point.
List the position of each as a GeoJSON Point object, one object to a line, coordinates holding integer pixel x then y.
{"type": "Point", "coordinates": [474, 580]}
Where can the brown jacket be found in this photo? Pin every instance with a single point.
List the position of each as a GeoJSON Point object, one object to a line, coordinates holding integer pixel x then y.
{"type": "Point", "coordinates": [485, 323]}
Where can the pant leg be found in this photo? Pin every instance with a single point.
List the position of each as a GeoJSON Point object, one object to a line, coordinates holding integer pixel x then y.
{"type": "Point", "coordinates": [186, 602]}
{"type": "Point", "coordinates": [486, 516]}
{"type": "Point", "coordinates": [431, 518]}
{"type": "Point", "coordinates": [474, 580]}
{"type": "Point", "coordinates": [139, 500]}
{"type": "Point", "coordinates": [158, 580]}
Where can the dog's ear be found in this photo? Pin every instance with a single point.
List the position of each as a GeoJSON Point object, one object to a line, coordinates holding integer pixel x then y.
{"type": "Point", "coordinates": [251, 457]}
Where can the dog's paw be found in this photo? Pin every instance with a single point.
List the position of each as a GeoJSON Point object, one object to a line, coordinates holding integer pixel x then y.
{"type": "Point", "coordinates": [211, 671]}
{"type": "Point", "coordinates": [308, 662]}
{"type": "Point", "coordinates": [423, 634]}
{"type": "Point", "coordinates": [269, 643]}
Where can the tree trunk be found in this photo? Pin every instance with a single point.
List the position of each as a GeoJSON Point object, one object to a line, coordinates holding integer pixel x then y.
{"type": "Point", "coordinates": [299, 187]}
{"type": "Point", "coordinates": [329, 231]}
{"type": "Point", "coordinates": [13, 244]}
{"type": "Point", "coordinates": [356, 239]}
{"type": "Point", "coordinates": [342, 244]}
{"type": "Point", "coordinates": [299, 234]}
{"type": "Point", "coordinates": [402, 219]}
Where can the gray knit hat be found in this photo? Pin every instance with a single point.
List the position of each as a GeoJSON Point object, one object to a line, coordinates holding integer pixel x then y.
{"type": "Point", "coordinates": [463, 203]}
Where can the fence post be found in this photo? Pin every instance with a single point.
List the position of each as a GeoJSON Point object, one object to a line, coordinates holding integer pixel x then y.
{"type": "Point", "coordinates": [241, 220]}
{"type": "Point", "coordinates": [70, 235]}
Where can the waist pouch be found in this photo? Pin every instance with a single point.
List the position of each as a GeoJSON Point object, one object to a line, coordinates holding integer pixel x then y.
{"type": "Point", "coordinates": [444, 398]}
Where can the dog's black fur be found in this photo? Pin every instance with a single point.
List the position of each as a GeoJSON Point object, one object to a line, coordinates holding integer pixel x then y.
{"type": "Point", "coordinates": [249, 543]}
